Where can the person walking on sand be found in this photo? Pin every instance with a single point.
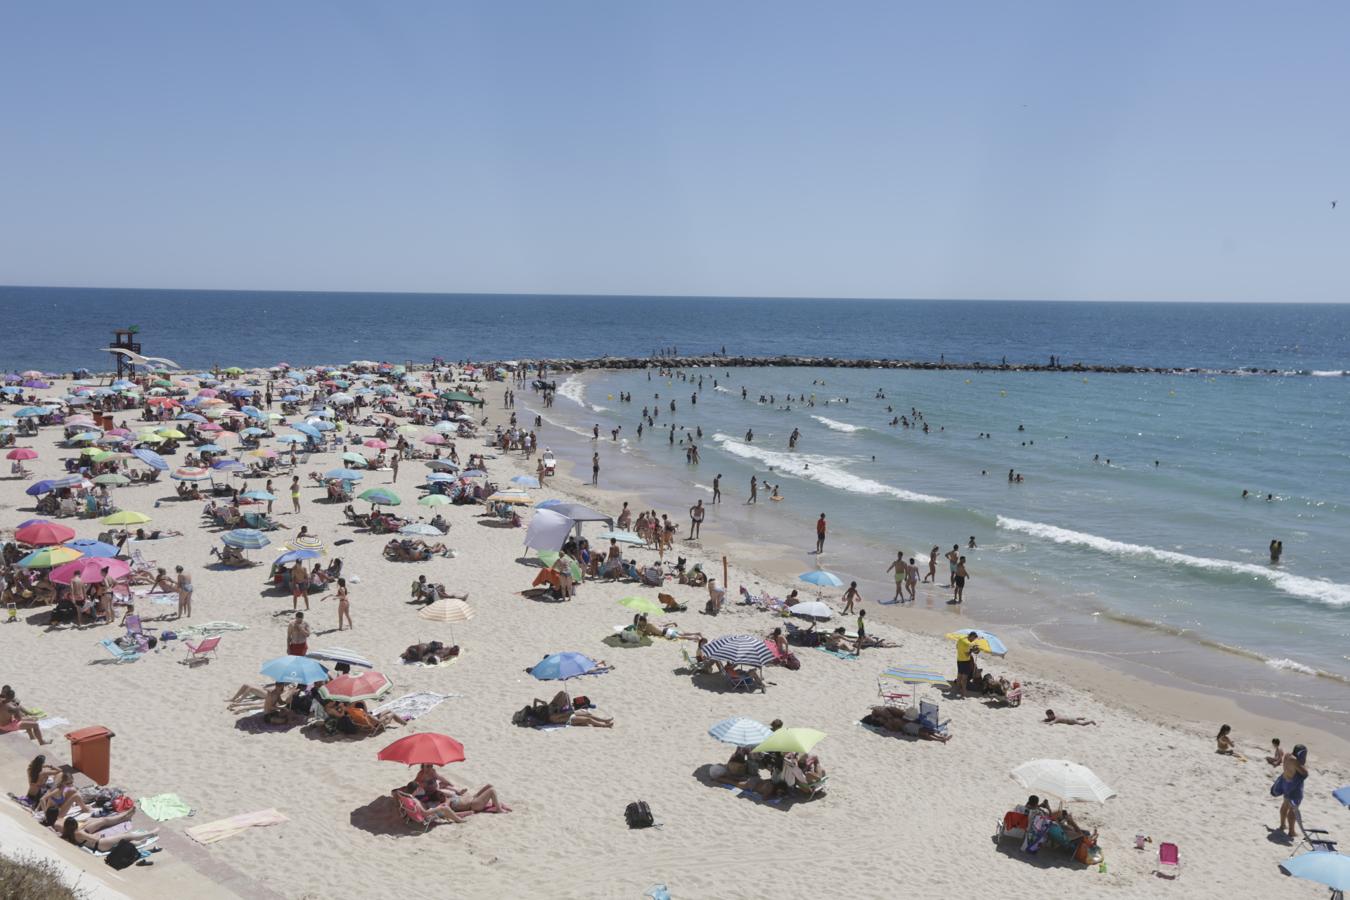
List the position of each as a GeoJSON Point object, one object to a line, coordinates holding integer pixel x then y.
{"type": "Point", "coordinates": [851, 596]}
{"type": "Point", "coordinates": [393, 464]}
{"type": "Point", "coordinates": [1290, 786]}
{"type": "Point", "coordinates": [184, 593]}
{"type": "Point", "coordinates": [295, 492]}
{"type": "Point", "coordinates": [696, 513]}
{"type": "Point", "coordinates": [820, 534]}
{"type": "Point", "coordinates": [595, 468]}
{"type": "Point", "coordinates": [754, 490]}
{"type": "Point", "coordinates": [717, 488]}
{"type": "Point", "coordinates": [297, 636]}
{"type": "Point", "coordinates": [932, 566]}
{"type": "Point", "coordinates": [344, 603]}
{"type": "Point", "coordinates": [898, 567]}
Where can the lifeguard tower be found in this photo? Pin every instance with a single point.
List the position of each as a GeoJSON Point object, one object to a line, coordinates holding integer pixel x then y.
{"type": "Point", "coordinates": [125, 339]}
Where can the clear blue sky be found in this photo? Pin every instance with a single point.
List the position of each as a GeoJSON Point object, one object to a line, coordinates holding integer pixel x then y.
{"type": "Point", "coordinates": [1172, 150]}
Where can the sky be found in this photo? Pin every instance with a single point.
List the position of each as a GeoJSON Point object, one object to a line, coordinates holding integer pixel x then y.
{"type": "Point", "coordinates": [1071, 151]}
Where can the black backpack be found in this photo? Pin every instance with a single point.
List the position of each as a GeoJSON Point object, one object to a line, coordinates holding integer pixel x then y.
{"type": "Point", "coordinates": [639, 815]}
{"type": "Point", "coordinates": [123, 854]}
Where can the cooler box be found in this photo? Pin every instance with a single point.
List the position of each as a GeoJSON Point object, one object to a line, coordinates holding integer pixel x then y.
{"type": "Point", "coordinates": [91, 750]}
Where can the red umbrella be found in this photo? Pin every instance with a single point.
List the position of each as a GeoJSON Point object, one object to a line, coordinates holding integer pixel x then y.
{"type": "Point", "coordinates": [22, 453]}
{"type": "Point", "coordinates": [91, 568]}
{"type": "Point", "coordinates": [41, 534]}
{"type": "Point", "coordinates": [351, 688]}
{"type": "Point", "coordinates": [418, 749]}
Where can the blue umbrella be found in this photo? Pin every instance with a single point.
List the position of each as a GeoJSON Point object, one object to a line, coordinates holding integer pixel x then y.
{"type": "Point", "coordinates": [290, 398]}
{"type": "Point", "coordinates": [246, 539]}
{"type": "Point", "coordinates": [252, 432]}
{"type": "Point", "coordinates": [1324, 867]}
{"type": "Point", "coordinates": [294, 670]}
{"type": "Point", "coordinates": [344, 474]}
{"type": "Point", "coordinates": [292, 439]}
{"type": "Point", "coordinates": [223, 464]}
{"type": "Point", "coordinates": [191, 417]}
{"type": "Point", "coordinates": [40, 487]}
{"type": "Point", "coordinates": [1343, 795]}
{"type": "Point", "coordinates": [821, 578]}
{"type": "Point", "coordinates": [435, 477]}
{"type": "Point", "coordinates": [562, 666]}
{"type": "Point", "coordinates": [473, 473]}
{"type": "Point", "coordinates": [526, 481]}
{"type": "Point", "coordinates": [29, 412]}
{"type": "Point", "coordinates": [740, 731]}
{"type": "Point", "coordinates": [151, 459]}
{"type": "Point", "coordinates": [86, 436]}
{"type": "Point", "coordinates": [253, 412]}
{"type": "Point", "coordinates": [12, 391]}
{"type": "Point", "coordinates": [307, 429]}
{"type": "Point", "coordinates": [91, 547]}
{"type": "Point", "coordinates": [996, 646]}
{"type": "Point", "coordinates": [321, 425]}
{"type": "Point", "coordinates": [291, 556]}
{"type": "Point", "coordinates": [210, 448]}
{"type": "Point", "coordinates": [258, 495]}
{"type": "Point", "coordinates": [545, 504]}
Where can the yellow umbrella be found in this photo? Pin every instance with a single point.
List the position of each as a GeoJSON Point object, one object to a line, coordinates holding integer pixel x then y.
{"type": "Point", "coordinates": [172, 433]}
{"type": "Point", "coordinates": [125, 517]}
{"type": "Point", "coordinates": [509, 497]}
{"type": "Point", "coordinates": [791, 740]}
{"type": "Point", "coordinates": [988, 643]}
{"type": "Point", "coordinates": [642, 605]}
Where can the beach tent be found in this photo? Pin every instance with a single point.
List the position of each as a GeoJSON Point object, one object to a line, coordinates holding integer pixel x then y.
{"type": "Point", "coordinates": [548, 530]}
{"type": "Point", "coordinates": [577, 512]}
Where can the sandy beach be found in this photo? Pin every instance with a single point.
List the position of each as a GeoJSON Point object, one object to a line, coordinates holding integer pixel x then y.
{"type": "Point", "coordinates": [898, 815]}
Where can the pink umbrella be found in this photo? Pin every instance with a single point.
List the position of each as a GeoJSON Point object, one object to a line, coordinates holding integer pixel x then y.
{"type": "Point", "coordinates": [44, 533]}
{"type": "Point", "coordinates": [376, 443]}
{"type": "Point", "coordinates": [209, 426]}
{"type": "Point", "coordinates": [91, 568]}
{"type": "Point", "coordinates": [207, 392]}
{"type": "Point", "coordinates": [22, 453]}
{"type": "Point", "coordinates": [79, 420]}
{"type": "Point", "coordinates": [117, 432]}
{"type": "Point", "coordinates": [433, 439]}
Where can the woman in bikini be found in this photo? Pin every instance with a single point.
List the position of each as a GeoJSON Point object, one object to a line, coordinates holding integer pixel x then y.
{"type": "Point", "coordinates": [39, 775]}
{"type": "Point", "coordinates": [184, 593]}
{"type": "Point", "coordinates": [87, 834]}
{"type": "Point", "coordinates": [13, 719]}
{"type": "Point", "coordinates": [62, 797]}
{"type": "Point", "coordinates": [344, 603]}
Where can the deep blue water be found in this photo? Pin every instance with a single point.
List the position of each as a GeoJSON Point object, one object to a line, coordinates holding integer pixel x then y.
{"type": "Point", "coordinates": [62, 328]}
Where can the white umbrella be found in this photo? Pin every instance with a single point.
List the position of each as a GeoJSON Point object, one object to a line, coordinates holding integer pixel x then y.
{"type": "Point", "coordinates": [812, 609]}
{"type": "Point", "coordinates": [343, 655]}
{"type": "Point", "coordinates": [1061, 779]}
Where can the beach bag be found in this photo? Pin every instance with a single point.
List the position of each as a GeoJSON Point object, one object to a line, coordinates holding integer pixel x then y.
{"type": "Point", "coordinates": [790, 661]}
{"type": "Point", "coordinates": [123, 854]}
{"type": "Point", "coordinates": [639, 815]}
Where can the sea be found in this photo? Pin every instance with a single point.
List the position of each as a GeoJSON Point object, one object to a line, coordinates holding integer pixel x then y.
{"type": "Point", "coordinates": [1128, 537]}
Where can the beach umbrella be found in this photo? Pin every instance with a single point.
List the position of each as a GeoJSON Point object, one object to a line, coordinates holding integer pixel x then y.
{"type": "Point", "coordinates": [739, 650]}
{"type": "Point", "coordinates": [1321, 866]}
{"type": "Point", "coordinates": [473, 473]}
{"type": "Point", "coordinates": [22, 453]}
{"type": "Point", "coordinates": [263, 453]}
{"type": "Point", "coordinates": [151, 458]}
{"type": "Point", "coordinates": [1061, 779]}
{"type": "Point", "coordinates": [446, 426]}
{"type": "Point", "coordinates": [438, 439]}
{"type": "Point", "coordinates": [447, 609]}
{"type": "Point", "coordinates": [171, 433]}
{"type": "Point", "coordinates": [528, 481]}
{"type": "Point", "coordinates": [191, 473]}
{"type": "Point", "coordinates": [226, 465]}
{"type": "Point", "coordinates": [790, 740]}
{"type": "Point", "coordinates": [291, 556]}
{"type": "Point", "coordinates": [210, 448]}
{"type": "Point", "coordinates": [104, 456]}
{"type": "Point", "coordinates": [308, 430]}
{"type": "Point", "coordinates": [293, 439]}
{"type": "Point", "coordinates": [356, 459]}
{"type": "Point", "coordinates": [380, 497]}
{"type": "Point", "coordinates": [353, 688]}
{"type": "Point", "coordinates": [258, 495]}
{"type": "Point", "coordinates": [986, 641]}
{"type": "Point", "coordinates": [191, 417]}
{"type": "Point", "coordinates": [441, 477]}
{"type": "Point", "coordinates": [85, 436]}
{"type": "Point", "coordinates": [741, 731]}
{"type": "Point", "coordinates": [813, 609]}
{"type": "Point", "coordinates": [294, 670]}
{"type": "Point", "coordinates": [30, 412]}
{"type": "Point", "coordinates": [562, 666]}
{"type": "Point", "coordinates": [91, 569]}
{"type": "Point", "coordinates": [125, 517]}
{"type": "Point", "coordinates": [49, 557]}
{"type": "Point", "coordinates": [915, 675]}
{"type": "Point", "coordinates": [66, 481]}
{"type": "Point", "coordinates": [252, 431]}
{"type": "Point", "coordinates": [1342, 794]}
{"type": "Point", "coordinates": [112, 478]}
{"type": "Point", "coordinates": [821, 578]}
{"type": "Point", "coordinates": [306, 542]}
{"type": "Point", "coordinates": [375, 443]}
{"type": "Point", "coordinates": [421, 528]}
{"type": "Point", "coordinates": [513, 498]}
{"type": "Point", "coordinates": [343, 475]}
{"type": "Point", "coordinates": [91, 547]}
{"type": "Point", "coordinates": [407, 430]}
{"type": "Point", "coordinates": [341, 655]}
{"type": "Point", "coordinates": [38, 488]}
{"type": "Point", "coordinates": [42, 533]}
{"type": "Point", "coordinates": [577, 512]}
{"type": "Point", "coordinates": [427, 748]}
{"type": "Point", "coordinates": [623, 537]}
{"type": "Point", "coordinates": [253, 412]}
{"type": "Point", "coordinates": [441, 465]}
{"type": "Point", "coordinates": [642, 605]}
{"type": "Point", "coordinates": [245, 539]}
{"type": "Point", "coordinates": [434, 500]}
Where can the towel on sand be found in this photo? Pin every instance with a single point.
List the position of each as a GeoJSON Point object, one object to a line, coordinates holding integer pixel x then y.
{"type": "Point", "coordinates": [223, 828]}
{"type": "Point", "coordinates": [163, 807]}
{"type": "Point", "coordinates": [839, 653]}
{"type": "Point", "coordinates": [414, 705]}
{"type": "Point", "coordinates": [210, 629]}
{"type": "Point", "coordinates": [49, 724]}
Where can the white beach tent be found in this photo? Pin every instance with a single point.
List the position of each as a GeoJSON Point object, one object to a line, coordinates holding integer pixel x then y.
{"type": "Point", "coordinates": [548, 530]}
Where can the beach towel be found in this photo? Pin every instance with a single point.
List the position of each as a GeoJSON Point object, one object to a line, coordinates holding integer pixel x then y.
{"type": "Point", "coordinates": [49, 724]}
{"type": "Point", "coordinates": [837, 653]}
{"type": "Point", "coordinates": [163, 807]}
{"type": "Point", "coordinates": [224, 828]}
{"type": "Point", "coordinates": [414, 705]}
{"type": "Point", "coordinates": [211, 629]}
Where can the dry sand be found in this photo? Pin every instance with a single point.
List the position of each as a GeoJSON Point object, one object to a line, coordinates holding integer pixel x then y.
{"type": "Point", "coordinates": [899, 817]}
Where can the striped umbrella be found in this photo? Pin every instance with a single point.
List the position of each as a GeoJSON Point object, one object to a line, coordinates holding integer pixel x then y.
{"type": "Point", "coordinates": [740, 731]}
{"type": "Point", "coordinates": [306, 542]}
{"type": "Point", "coordinates": [739, 650]}
{"type": "Point", "coordinates": [351, 688]}
{"type": "Point", "coordinates": [447, 609]}
{"type": "Point", "coordinates": [915, 675]}
{"type": "Point", "coordinates": [246, 539]}
{"type": "Point", "coordinates": [49, 557]}
{"type": "Point", "coordinates": [341, 655]}
{"type": "Point", "coordinates": [434, 500]}
{"type": "Point", "coordinates": [191, 473]}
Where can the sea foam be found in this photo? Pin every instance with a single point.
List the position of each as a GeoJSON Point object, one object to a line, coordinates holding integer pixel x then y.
{"type": "Point", "coordinates": [839, 426]}
{"type": "Point", "coordinates": [824, 470]}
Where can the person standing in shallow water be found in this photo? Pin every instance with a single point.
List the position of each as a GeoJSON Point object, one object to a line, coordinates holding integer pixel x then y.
{"type": "Point", "coordinates": [754, 490]}
{"type": "Point", "coordinates": [717, 488]}
{"type": "Point", "coordinates": [1276, 551]}
{"type": "Point", "coordinates": [696, 513]}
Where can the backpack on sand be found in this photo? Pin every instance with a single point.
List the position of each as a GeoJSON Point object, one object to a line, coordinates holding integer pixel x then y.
{"type": "Point", "coordinates": [639, 815]}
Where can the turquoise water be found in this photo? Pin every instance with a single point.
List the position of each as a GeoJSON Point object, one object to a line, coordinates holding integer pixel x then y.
{"type": "Point", "coordinates": [1170, 549]}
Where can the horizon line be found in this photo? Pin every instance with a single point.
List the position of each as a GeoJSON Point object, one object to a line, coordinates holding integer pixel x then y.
{"type": "Point", "coordinates": [663, 296]}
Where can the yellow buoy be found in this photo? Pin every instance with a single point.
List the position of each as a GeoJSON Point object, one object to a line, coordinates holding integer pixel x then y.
{"type": "Point", "coordinates": [1003, 393]}
{"type": "Point", "coordinates": [967, 381]}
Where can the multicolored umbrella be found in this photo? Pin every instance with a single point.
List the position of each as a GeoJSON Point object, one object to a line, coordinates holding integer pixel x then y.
{"type": "Point", "coordinates": [306, 542]}
{"type": "Point", "coordinates": [49, 557]}
{"type": "Point", "coordinates": [245, 539]}
{"type": "Point", "coordinates": [985, 640]}
{"type": "Point", "coordinates": [191, 473]}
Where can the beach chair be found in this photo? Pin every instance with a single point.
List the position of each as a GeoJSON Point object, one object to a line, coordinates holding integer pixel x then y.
{"type": "Point", "coordinates": [1169, 860]}
{"type": "Point", "coordinates": [119, 653]}
{"type": "Point", "coordinates": [890, 693]}
{"type": "Point", "coordinates": [139, 563]}
{"type": "Point", "coordinates": [812, 789]}
{"type": "Point", "coordinates": [134, 629]}
{"type": "Point", "coordinates": [411, 810]}
{"type": "Point", "coordinates": [692, 664]}
{"type": "Point", "coordinates": [199, 652]}
{"type": "Point", "coordinates": [739, 682]}
{"type": "Point", "coordinates": [928, 718]}
{"type": "Point", "coordinates": [1013, 826]}
{"type": "Point", "coordinates": [1313, 838]}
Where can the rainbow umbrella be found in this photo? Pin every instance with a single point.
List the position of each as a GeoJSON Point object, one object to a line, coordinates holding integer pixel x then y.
{"type": "Point", "coordinates": [48, 557]}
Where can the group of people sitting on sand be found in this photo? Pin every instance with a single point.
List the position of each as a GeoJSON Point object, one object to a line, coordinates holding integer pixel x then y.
{"type": "Point", "coordinates": [53, 796]}
{"type": "Point", "coordinates": [286, 704]}
{"type": "Point", "coordinates": [906, 721]}
{"type": "Point", "coordinates": [444, 801]}
{"type": "Point", "coordinates": [785, 771]}
{"type": "Point", "coordinates": [1058, 829]}
{"type": "Point", "coordinates": [413, 550]}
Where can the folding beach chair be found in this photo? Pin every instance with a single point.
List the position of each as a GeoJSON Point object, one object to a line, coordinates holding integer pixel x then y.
{"type": "Point", "coordinates": [1313, 838]}
{"type": "Point", "coordinates": [692, 664]}
{"type": "Point", "coordinates": [1013, 826]}
{"type": "Point", "coordinates": [739, 682]}
{"type": "Point", "coordinates": [199, 652]}
{"type": "Point", "coordinates": [1169, 860]}
{"type": "Point", "coordinates": [928, 718]}
{"type": "Point", "coordinates": [413, 812]}
{"type": "Point", "coordinates": [890, 693]}
{"type": "Point", "coordinates": [120, 654]}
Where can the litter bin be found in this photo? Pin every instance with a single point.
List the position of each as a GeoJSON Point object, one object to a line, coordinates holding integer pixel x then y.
{"type": "Point", "coordinates": [90, 749]}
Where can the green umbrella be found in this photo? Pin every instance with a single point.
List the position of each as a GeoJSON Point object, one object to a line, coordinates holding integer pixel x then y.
{"type": "Point", "coordinates": [791, 740]}
{"type": "Point", "coordinates": [642, 605]}
{"type": "Point", "coordinates": [460, 397]}
{"type": "Point", "coordinates": [380, 497]}
{"type": "Point", "coordinates": [112, 478]}
{"type": "Point", "coordinates": [434, 500]}
{"type": "Point", "coordinates": [355, 459]}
